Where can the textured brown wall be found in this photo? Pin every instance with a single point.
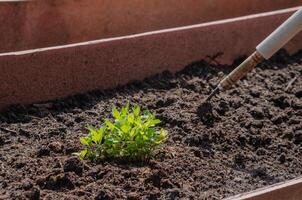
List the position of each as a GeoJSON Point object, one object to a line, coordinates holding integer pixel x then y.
{"type": "Point", "coordinates": [42, 23]}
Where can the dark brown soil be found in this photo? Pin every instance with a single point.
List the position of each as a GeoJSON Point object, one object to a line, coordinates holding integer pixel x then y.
{"type": "Point", "coordinates": [249, 137]}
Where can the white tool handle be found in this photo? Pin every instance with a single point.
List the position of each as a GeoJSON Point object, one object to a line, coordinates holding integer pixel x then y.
{"type": "Point", "coordinates": [281, 35]}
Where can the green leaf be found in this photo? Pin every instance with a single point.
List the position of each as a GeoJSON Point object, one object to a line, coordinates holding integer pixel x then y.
{"type": "Point", "coordinates": [155, 121]}
{"type": "Point", "coordinates": [151, 132]}
{"type": "Point", "coordinates": [91, 130]}
{"type": "Point", "coordinates": [136, 110]}
{"type": "Point", "coordinates": [125, 110]}
{"type": "Point", "coordinates": [125, 128]}
{"type": "Point", "coordinates": [138, 122]}
{"type": "Point", "coordinates": [139, 139]}
{"type": "Point", "coordinates": [147, 113]}
{"type": "Point", "coordinates": [85, 141]}
{"type": "Point", "coordinates": [109, 124]}
{"type": "Point", "coordinates": [162, 134]}
{"type": "Point", "coordinates": [102, 130]}
{"type": "Point", "coordinates": [145, 137]}
{"type": "Point", "coordinates": [115, 113]}
{"type": "Point", "coordinates": [109, 141]}
{"type": "Point", "coordinates": [132, 133]}
{"type": "Point", "coordinates": [131, 118]}
{"type": "Point", "coordinates": [98, 136]}
{"type": "Point", "coordinates": [110, 151]}
{"type": "Point", "coordinates": [83, 153]}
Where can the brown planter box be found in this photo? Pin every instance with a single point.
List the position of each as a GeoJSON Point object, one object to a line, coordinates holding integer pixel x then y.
{"type": "Point", "coordinates": [55, 72]}
{"type": "Point", "coordinates": [36, 24]}
{"type": "Point", "coordinates": [288, 190]}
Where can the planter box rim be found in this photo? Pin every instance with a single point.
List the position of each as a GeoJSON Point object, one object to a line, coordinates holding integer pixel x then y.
{"type": "Point", "coordinates": [33, 24]}
{"type": "Point", "coordinates": [182, 28]}
{"type": "Point", "coordinates": [272, 189]}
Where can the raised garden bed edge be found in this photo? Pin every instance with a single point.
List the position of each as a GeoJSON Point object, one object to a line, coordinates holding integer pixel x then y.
{"type": "Point", "coordinates": [56, 72]}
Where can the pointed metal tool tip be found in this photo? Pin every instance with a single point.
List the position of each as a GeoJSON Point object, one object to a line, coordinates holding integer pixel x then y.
{"type": "Point", "coordinates": [213, 93]}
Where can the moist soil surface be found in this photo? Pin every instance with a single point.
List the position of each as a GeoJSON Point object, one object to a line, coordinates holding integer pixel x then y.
{"type": "Point", "coordinates": [246, 138]}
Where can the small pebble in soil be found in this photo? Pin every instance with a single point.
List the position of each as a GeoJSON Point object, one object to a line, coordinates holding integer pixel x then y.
{"type": "Point", "coordinates": [242, 140]}
{"type": "Point", "coordinates": [56, 182]}
{"type": "Point", "coordinates": [259, 172]}
{"type": "Point", "coordinates": [133, 196]}
{"type": "Point", "coordinates": [223, 107]}
{"type": "Point", "coordinates": [105, 194]}
{"type": "Point", "coordinates": [236, 103]}
{"type": "Point", "coordinates": [19, 164]}
{"type": "Point", "coordinates": [282, 158]}
{"type": "Point", "coordinates": [56, 147]}
{"type": "Point", "coordinates": [298, 137]}
{"type": "Point", "coordinates": [2, 140]}
{"type": "Point", "coordinates": [288, 134]}
{"type": "Point", "coordinates": [173, 193]}
{"type": "Point", "coordinates": [27, 184]}
{"type": "Point", "coordinates": [196, 152]}
{"type": "Point", "coordinates": [254, 92]}
{"type": "Point", "coordinates": [282, 117]}
{"type": "Point", "coordinates": [79, 119]}
{"type": "Point", "coordinates": [257, 113]}
{"type": "Point", "coordinates": [239, 160]}
{"type": "Point", "coordinates": [294, 120]}
{"type": "Point", "coordinates": [260, 151]}
{"type": "Point", "coordinates": [193, 140]}
{"type": "Point", "coordinates": [206, 114]}
{"type": "Point", "coordinates": [166, 183]}
{"type": "Point", "coordinates": [43, 151]}
{"type": "Point", "coordinates": [165, 102]}
{"type": "Point", "coordinates": [32, 194]}
{"type": "Point", "coordinates": [257, 123]}
{"type": "Point", "coordinates": [73, 164]}
{"type": "Point", "coordinates": [298, 93]}
{"type": "Point", "coordinates": [281, 101]}
{"type": "Point", "coordinates": [24, 132]}
{"type": "Point", "coordinates": [297, 104]}
{"type": "Point", "coordinates": [3, 184]}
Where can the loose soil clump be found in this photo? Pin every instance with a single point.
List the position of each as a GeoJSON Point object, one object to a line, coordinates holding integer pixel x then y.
{"type": "Point", "coordinates": [246, 138]}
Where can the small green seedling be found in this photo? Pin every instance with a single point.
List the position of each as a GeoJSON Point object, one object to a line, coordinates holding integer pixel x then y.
{"type": "Point", "coordinates": [132, 136]}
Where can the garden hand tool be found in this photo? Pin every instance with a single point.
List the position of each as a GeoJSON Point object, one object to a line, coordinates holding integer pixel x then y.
{"type": "Point", "coordinates": [264, 50]}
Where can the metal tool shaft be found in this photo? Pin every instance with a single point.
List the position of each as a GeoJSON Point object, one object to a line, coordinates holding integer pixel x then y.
{"type": "Point", "coordinates": [245, 67]}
